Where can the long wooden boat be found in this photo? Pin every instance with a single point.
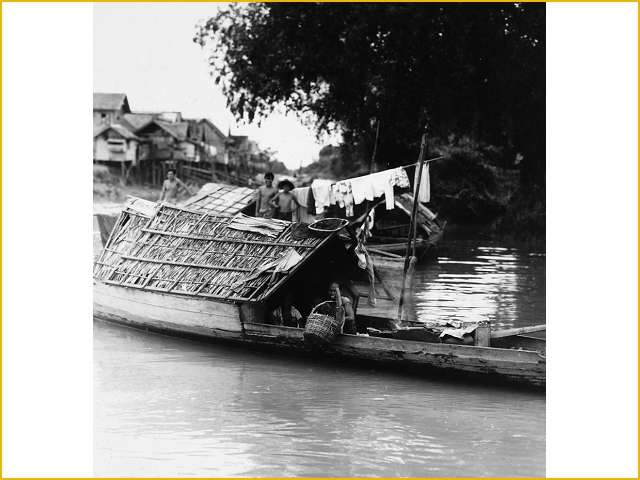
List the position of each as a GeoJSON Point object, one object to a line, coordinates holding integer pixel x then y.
{"type": "Point", "coordinates": [180, 272]}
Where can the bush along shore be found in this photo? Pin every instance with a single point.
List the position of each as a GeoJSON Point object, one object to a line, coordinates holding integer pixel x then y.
{"type": "Point", "coordinates": [480, 189]}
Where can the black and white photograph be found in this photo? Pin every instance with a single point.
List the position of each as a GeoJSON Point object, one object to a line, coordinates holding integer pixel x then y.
{"type": "Point", "coordinates": [341, 207]}
{"type": "Point", "coordinates": [314, 240]}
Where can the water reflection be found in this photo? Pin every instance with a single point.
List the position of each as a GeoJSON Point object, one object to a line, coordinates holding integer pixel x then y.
{"type": "Point", "coordinates": [503, 285]}
{"type": "Point", "coordinates": [169, 407]}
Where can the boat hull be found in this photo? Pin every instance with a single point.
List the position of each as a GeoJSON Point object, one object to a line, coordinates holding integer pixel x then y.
{"type": "Point", "coordinates": [155, 310]}
{"type": "Point", "coordinates": [213, 320]}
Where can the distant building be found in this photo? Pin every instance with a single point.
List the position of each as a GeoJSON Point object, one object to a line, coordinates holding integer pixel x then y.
{"type": "Point", "coordinates": [115, 143]}
{"type": "Point", "coordinates": [241, 150]}
{"type": "Point", "coordinates": [109, 108]}
{"type": "Point", "coordinates": [210, 138]}
{"type": "Point", "coordinates": [168, 141]}
{"type": "Point", "coordinates": [152, 141]}
{"type": "Point", "coordinates": [170, 117]}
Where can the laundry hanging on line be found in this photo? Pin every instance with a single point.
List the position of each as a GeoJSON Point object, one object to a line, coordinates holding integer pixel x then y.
{"type": "Point", "coordinates": [354, 191]}
{"type": "Point", "coordinates": [304, 213]}
{"type": "Point", "coordinates": [321, 193]}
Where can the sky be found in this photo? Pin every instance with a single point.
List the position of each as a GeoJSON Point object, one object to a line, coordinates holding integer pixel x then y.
{"type": "Point", "coordinates": [147, 51]}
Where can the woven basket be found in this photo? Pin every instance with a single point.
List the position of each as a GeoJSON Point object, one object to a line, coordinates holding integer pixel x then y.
{"type": "Point", "coordinates": [321, 329]}
{"type": "Point", "coordinates": [327, 226]}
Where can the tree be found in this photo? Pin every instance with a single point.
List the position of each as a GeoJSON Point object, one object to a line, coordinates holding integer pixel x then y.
{"type": "Point", "coordinates": [466, 69]}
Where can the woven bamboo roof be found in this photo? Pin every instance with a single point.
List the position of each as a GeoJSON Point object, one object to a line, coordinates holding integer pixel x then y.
{"type": "Point", "coordinates": [198, 254]}
{"type": "Point", "coordinates": [220, 198]}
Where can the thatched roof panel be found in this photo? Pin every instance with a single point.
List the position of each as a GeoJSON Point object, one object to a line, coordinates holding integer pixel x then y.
{"type": "Point", "coordinates": [194, 253]}
{"type": "Point", "coordinates": [221, 198]}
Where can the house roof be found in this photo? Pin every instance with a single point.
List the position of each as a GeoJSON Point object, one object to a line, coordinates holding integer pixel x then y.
{"type": "Point", "coordinates": [176, 130]}
{"type": "Point", "coordinates": [164, 116]}
{"type": "Point", "coordinates": [238, 138]}
{"type": "Point", "coordinates": [110, 101]}
{"type": "Point", "coordinates": [213, 126]}
{"type": "Point", "coordinates": [137, 120]}
{"type": "Point", "coordinates": [121, 130]}
{"type": "Point", "coordinates": [221, 198]}
{"type": "Point", "coordinates": [199, 254]}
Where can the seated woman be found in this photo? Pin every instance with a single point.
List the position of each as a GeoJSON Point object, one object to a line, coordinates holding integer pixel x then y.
{"type": "Point", "coordinates": [346, 312]}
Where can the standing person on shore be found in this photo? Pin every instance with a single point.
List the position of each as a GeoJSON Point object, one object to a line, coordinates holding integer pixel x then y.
{"type": "Point", "coordinates": [170, 188]}
{"type": "Point", "coordinates": [285, 202]}
{"type": "Point", "coordinates": [264, 195]}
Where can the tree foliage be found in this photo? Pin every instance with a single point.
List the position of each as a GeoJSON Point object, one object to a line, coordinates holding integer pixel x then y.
{"type": "Point", "coordinates": [466, 69]}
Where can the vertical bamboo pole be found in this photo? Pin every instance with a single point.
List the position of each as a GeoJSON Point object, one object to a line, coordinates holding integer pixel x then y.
{"type": "Point", "coordinates": [410, 259]}
{"type": "Point", "coordinates": [372, 163]}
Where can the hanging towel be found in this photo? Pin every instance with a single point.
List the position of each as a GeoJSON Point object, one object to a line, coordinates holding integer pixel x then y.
{"type": "Point", "coordinates": [311, 201]}
{"type": "Point", "coordinates": [399, 178]}
{"type": "Point", "coordinates": [343, 197]}
{"type": "Point", "coordinates": [301, 194]}
{"type": "Point", "coordinates": [362, 190]}
{"type": "Point", "coordinates": [322, 194]}
{"type": "Point", "coordinates": [348, 201]}
{"type": "Point", "coordinates": [337, 196]}
{"type": "Point", "coordinates": [382, 184]}
{"type": "Point", "coordinates": [375, 185]}
{"type": "Point", "coordinates": [424, 192]}
{"type": "Point", "coordinates": [302, 212]}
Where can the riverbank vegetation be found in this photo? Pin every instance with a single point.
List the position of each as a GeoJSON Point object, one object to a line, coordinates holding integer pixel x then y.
{"type": "Point", "coordinates": [378, 73]}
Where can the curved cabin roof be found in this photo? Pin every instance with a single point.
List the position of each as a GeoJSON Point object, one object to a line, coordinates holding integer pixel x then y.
{"type": "Point", "coordinates": [199, 254]}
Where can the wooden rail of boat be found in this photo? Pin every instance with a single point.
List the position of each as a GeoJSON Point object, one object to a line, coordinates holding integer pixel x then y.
{"type": "Point", "coordinates": [501, 364]}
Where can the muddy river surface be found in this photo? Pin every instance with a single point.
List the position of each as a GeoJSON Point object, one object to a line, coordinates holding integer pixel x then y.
{"type": "Point", "coordinates": [172, 407]}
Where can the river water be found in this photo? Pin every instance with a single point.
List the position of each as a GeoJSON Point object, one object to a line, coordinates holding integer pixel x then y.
{"type": "Point", "coordinates": [172, 407]}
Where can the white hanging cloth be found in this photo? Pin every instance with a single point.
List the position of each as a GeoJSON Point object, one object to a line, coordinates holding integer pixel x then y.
{"type": "Point", "coordinates": [424, 189]}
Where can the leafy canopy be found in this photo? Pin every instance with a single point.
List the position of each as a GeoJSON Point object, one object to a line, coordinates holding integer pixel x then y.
{"type": "Point", "coordinates": [466, 69]}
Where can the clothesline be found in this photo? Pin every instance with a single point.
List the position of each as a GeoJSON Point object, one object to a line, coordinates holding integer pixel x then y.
{"type": "Point", "coordinates": [352, 191]}
{"type": "Point", "coordinates": [414, 164]}
{"type": "Point", "coordinates": [409, 165]}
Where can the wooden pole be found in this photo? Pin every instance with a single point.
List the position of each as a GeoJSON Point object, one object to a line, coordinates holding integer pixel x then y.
{"type": "Point", "coordinates": [411, 237]}
{"type": "Point", "coordinates": [372, 163]}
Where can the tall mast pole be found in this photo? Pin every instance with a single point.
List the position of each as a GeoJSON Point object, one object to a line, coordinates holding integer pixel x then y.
{"type": "Point", "coordinates": [410, 259]}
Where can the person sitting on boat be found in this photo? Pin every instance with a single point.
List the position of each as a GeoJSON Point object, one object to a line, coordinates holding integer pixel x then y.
{"type": "Point", "coordinates": [343, 309]}
{"type": "Point", "coordinates": [285, 202]}
{"type": "Point", "coordinates": [287, 314]}
{"type": "Point", "coordinates": [170, 188]}
{"type": "Point", "coordinates": [264, 195]}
